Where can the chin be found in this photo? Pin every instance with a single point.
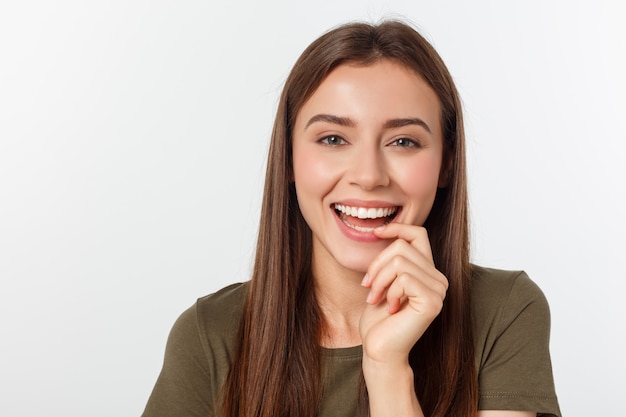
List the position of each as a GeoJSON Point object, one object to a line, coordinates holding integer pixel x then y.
{"type": "Point", "coordinates": [357, 260]}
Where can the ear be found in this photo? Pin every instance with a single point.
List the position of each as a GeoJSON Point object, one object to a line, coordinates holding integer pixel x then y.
{"type": "Point", "coordinates": [445, 175]}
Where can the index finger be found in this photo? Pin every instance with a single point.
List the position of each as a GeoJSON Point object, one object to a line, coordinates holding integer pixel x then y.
{"type": "Point", "coordinates": [416, 236]}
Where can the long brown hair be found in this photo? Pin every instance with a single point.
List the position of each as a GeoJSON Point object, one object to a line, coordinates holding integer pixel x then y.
{"type": "Point", "coordinates": [276, 369]}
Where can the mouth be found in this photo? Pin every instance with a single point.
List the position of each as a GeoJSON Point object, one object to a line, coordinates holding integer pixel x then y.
{"type": "Point", "coordinates": [365, 219]}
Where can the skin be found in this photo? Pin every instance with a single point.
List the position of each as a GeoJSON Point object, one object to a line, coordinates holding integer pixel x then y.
{"type": "Point", "coordinates": [370, 136]}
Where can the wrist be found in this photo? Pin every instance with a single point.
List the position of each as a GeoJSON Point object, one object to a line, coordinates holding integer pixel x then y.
{"type": "Point", "coordinates": [387, 369]}
{"type": "Point", "coordinates": [391, 388]}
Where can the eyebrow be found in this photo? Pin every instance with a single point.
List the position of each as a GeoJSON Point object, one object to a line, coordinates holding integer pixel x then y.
{"type": "Point", "coordinates": [394, 123]}
{"type": "Point", "coordinates": [346, 121]}
{"type": "Point", "coordinates": [329, 118]}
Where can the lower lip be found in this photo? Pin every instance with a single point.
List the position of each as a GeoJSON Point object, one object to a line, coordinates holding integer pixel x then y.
{"type": "Point", "coordinates": [354, 234]}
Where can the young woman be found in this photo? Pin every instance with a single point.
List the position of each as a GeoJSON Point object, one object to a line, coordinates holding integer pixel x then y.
{"type": "Point", "coordinates": [363, 300]}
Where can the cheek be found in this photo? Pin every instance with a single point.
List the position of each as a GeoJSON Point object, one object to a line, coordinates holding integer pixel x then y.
{"type": "Point", "coordinates": [421, 178]}
{"type": "Point", "coordinates": [314, 177]}
{"type": "Point", "coordinates": [419, 183]}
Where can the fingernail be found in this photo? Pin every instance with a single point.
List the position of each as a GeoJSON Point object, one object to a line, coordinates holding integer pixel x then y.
{"type": "Point", "coordinates": [365, 280]}
{"type": "Point", "coordinates": [370, 297]}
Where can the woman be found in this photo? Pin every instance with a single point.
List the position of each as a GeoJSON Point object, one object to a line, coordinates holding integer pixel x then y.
{"type": "Point", "coordinates": [362, 298]}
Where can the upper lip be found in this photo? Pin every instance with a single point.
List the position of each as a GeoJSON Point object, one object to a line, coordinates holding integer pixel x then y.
{"type": "Point", "coordinates": [365, 203]}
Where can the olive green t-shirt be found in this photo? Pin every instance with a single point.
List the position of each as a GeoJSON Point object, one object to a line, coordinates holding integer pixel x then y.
{"type": "Point", "coordinates": [511, 324]}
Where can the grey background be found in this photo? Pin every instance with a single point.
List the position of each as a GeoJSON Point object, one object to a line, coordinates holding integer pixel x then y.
{"type": "Point", "coordinates": [132, 144]}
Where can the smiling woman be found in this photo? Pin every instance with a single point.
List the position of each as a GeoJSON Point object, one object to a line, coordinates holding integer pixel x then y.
{"type": "Point", "coordinates": [362, 299]}
{"type": "Point", "coordinates": [383, 156]}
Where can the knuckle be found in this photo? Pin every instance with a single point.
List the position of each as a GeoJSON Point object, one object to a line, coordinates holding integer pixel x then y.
{"type": "Point", "coordinates": [434, 306]}
{"type": "Point", "coordinates": [397, 261]}
{"type": "Point", "coordinates": [404, 279]}
{"type": "Point", "coordinates": [400, 244]}
{"type": "Point", "coordinates": [443, 280]}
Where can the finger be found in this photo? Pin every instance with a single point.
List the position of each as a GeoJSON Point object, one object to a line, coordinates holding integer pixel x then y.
{"type": "Point", "coordinates": [397, 248]}
{"type": "Point", "coordinates": [396, 294]}
{"type": "Point", "coordinates": [424, 299]}
{"type": "Point", "coordinates": [400, 266]}
{"type": "Point", "coordinates": [416, 236]}
{"type": "Point", "coordinates": [384, 277]}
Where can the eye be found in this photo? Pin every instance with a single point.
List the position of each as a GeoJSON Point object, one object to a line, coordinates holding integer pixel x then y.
{"type": "Point", "coordinates": [333, 140]}
{"type": "Point", "coordinates": [405, 143]}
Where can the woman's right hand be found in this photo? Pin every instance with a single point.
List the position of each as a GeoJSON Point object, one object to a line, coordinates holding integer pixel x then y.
{"type": "Point", "coordinates": [406, 294]}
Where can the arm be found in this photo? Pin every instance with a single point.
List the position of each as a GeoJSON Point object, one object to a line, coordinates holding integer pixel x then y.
{"type": "Point", "coordinates": [512, 329]}
{"type": "Point", "coordinates": [184, 383]}
{"type": "Point", "coordinates": [406, 295]}
{"type": "Point", "coordinates": [391, 391]}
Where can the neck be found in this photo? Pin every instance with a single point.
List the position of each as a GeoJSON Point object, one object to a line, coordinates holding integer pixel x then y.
{"type": "Point", "coordinates": [341, 299]}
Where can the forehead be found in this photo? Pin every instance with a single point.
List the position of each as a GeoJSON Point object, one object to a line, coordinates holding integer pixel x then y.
{"type": "Point", "coordinates": [373, 93]}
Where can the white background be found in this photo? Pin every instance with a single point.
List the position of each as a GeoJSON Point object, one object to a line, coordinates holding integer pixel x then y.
{"type": "Point", "coordinates": [132, 144]}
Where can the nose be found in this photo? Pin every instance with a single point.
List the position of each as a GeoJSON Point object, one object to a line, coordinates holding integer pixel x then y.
{"type": "Point", "coordinates": [368, 168]}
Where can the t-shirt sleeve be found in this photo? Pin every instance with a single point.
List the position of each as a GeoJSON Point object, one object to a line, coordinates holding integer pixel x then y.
{"type": "Point", "coordinates": [184, 382]}
{"type": "Point", "coordinates": [516, 371]}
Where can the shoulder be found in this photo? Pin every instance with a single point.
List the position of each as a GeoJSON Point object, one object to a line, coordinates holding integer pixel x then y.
{"type": "Point", "coordinates": [198, 355]}
{"type": "Point", "coordinates": [227, 300]}
{"type": "Point", "coordinates": [211, 324]}
{"type": "Point", "coordinates": [212, 321]}
{"type": "Point", "coordinates": [510, 315]}
{"type": "Point", "coordinates": [495, 290]}
{"type": "Point", "coordinates": [511, 329]}
{"type": "Point", "coordinates": [500, 280]}
{"type": "Point", "coordinates": [218, 314]}
{"type": "Point", "coordinates": [508, 308]}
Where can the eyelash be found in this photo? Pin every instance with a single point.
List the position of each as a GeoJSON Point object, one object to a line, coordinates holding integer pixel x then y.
{"type": "Point", "coordinates": [339, 139]}
{"type": "Point", "coordinates": [400, 142]}
{"type": "Point", "coordinates": [409, 143]}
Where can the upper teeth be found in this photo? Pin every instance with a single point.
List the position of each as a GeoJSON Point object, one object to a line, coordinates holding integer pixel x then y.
{"type": "Point", "coordinates": [366, 213]}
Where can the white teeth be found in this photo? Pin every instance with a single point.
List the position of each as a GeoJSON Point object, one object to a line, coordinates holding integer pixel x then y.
{"type": "Point", "coordinates": [359, 228]}
{"type": "Point", "coordinates": [366, 213]}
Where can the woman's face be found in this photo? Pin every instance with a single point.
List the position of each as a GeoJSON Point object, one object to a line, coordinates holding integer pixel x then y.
{"type": "Point", "coordinates": [367, 150]}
